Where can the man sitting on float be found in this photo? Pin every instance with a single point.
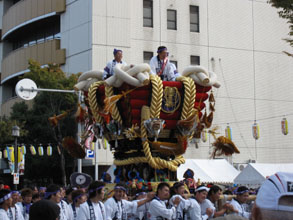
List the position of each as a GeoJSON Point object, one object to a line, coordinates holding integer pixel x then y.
{"type": "Point", "coordinates": [109, 69]}
{"type": "Point", "coordinates": [161, 65]}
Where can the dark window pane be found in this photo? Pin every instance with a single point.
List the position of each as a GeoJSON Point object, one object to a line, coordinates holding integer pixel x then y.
{"type": "Point", "coordinates": [174, 62]}
{"type": "Point", "coordinates": [147, 13]}
{"type": "Point", "coordinates": [147, 56]}
{"type": "Point", "coordinates": [194, 18]}
{"type": "Point", "coordinates": [194, 60]}
{"type": "Point", "coordinates": [171, 19]}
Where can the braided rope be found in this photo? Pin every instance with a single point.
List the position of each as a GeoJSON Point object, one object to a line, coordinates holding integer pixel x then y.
{"type": "Point", "coordinates": [115, 112]}
{"type": "Point", "coordinates": [189, 96]}
{"type": "Point", "coordinates": [93, 100]}
{"type": "Point", "coordinates": [157, 96]}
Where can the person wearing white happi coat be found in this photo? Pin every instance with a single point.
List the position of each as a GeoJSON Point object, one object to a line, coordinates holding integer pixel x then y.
{"type": "Point", "coordinates": [78, 197]}
{"type": "Point", "coordinates": [142, 210]}
{"type": "Point", "coordinates": [195, 211]}
{"type": "Point", "coordinates": [109, 69]}
{"type": "Point", "coordinates": [184, 205]}
{"type": "Point", "coordinates": [242, 195]}
{"type": "Point", "coordinates": [14, 212]}
{"type": "Point", "coordinates": [161, 66]}
{"type": "Point", "coordinates": [26, 203]}
{"type": "Point", "coordinates": [53, 194]}
{"type": "Point", "coordinates": [93, 208]}
{"type": "Point", "coordinates": [118, 208]}
{"type": "Point", "coordinates": [158, 209]}
{"type": "Point", "coordinates": [5, 203]}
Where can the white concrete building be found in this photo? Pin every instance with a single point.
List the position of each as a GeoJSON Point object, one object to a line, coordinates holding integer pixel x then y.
{"type": "Point", "coordinates": [241, 40]}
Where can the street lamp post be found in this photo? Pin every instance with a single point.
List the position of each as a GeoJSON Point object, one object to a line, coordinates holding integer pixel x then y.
{"type": "Point", "coordinates": [15, 133]}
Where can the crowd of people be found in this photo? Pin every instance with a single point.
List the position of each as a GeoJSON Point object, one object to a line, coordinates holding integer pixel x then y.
{"type": "Point", "coordinates": [273, 201]}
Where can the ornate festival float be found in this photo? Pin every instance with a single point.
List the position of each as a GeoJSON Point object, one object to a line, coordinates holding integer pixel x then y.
{"type": "Point", "coordinates": [148, 122]}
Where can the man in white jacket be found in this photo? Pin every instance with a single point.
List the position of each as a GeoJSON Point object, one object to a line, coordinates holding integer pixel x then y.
{"type": "Point", "coordinates": [161, 66]}
{"type": "Point", "coordinates": [94, 207]}
{"type": "Point", "coordinates": [194, 212]}
{"type": "Point", "coordinates": [158, 209]}
{"type": "Point", "coordinates": [117, 208]}
{"type": "Point", "coordinates": [5, 203]}
{"type": "Point", "coordinates": [53, 194]}
{"type": "Point", "coordinates": [14, 211]}
{"type": "Point", "coordinates": [242, 195]}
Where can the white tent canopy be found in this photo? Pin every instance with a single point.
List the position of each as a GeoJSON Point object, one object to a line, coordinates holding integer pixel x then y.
{"type": "Point", "coordinates": [209, 171]}
{"type": "Point", "coordinates": [254, 174]}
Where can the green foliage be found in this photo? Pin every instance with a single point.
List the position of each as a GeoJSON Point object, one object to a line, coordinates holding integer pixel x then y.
{"type": "Point", "coordinates": [285, 10]}
{"type": "Point", "coordinates": [35, 121]}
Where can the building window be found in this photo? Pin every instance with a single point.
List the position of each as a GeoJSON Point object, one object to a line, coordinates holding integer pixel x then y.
{"type": "Point", "coordinates": [194, 18]}
{"type": "Point", "coordinates": [171, 19]}
{"type": "Point", "coordinates": [174, 62]}
{"type": "Point", "coordinates": [148, 13]}
{"type": "Point", "coordinates": [194, 60]}
{"type": "Point", "coordinates": [147, 56]}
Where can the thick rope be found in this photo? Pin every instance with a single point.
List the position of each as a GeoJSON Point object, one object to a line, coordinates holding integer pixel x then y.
{"type": "Point", "coordinates": [157, 96]}
{"type": "Point", "coordinates": [93, 101]}
{"type": "Point", "coordinates": [115, 112]}
{"type": "Point", "coordinates": [189, 96]}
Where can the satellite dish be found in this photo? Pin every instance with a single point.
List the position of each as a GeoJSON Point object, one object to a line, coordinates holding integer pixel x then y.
{"type": "Point", "coordinates": [26, 89]}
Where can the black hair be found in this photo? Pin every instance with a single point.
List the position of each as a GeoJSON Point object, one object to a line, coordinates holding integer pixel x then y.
{"type": "Point", "coordinates": [175, 187]}
{"type": "Point", "coordinates": [45, 210]}
{"type": "Point", "coordinates": [76, 193]}
{"type": "Point", "coordinates": [161, 48]}
{"type": "Point", "coordinates": [241, 189]}
{"type": "Point", "coordinates": [162, 185]}
{"type": "Point", "coordinates": [3, 192]}
{"type": "Point", "coordinates": [36, 196]}
{"type": "Point", "coordinates": [69, 190]}
{"type": "Point", "coordinates": [188, 174]}
{"type": "Point", "coordinates": [213, 190]}
{"type": "Point", "coordinates": [92, 188]}
{"type": "Point", "coordinates": [26, 192]}
{"type": "Point", "coordinates": [51, 189]}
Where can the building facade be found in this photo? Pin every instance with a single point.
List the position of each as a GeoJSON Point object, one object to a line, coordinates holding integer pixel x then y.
{"type": "Point", "coordinates": [240, 40]}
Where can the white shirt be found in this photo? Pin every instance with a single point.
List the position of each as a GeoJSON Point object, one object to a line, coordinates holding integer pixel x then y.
{"type": "Point", "coordinates": [140, 213]}
{"type": "Point", "coordinates": [73, 212]}
{"type": "Point", "coordinates": [109, 69]}
{"type": "Point", "coordinates": [158, 209]}
{"type": "Point", "coordinates": [23, 211]}
{"type": "Point", "coordinates": [3, 215]}
{"type": "Point", "coordinates": [182, 208]}
{"type": "Point", "coordinates": [240, 208]}
{"type": "Point", "coordinates": [170, 71]}
{"type": "Point", "coordinates": [64, 210]}
{"type": "Point", "coordinates": [194, 212]}
{"type": "Point", "coordinates": [119, 208]}
{"type": "Point", "coordinates": [207, 204]}
{"type": "Point", "coordinates": [84, 211]}
{"type": "Point", "coordinates": [11, 213]}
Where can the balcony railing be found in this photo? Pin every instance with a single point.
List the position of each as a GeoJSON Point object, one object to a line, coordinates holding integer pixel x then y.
{"type": "Point", "coordinates": [28, 11]}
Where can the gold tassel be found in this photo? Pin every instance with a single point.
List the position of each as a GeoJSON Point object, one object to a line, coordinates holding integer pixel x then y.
{"type": "Point", "coordinates": [212, 107]}
{"type": "Point", "coordinates": [212, 98]}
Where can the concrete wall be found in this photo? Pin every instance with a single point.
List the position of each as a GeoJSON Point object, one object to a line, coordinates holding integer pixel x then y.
{"type": "Point", "coordinates": [76, 35]}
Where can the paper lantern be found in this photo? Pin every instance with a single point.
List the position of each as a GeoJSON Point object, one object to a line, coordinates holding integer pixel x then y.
{"type": "Point", "coordinates": [41, 150]}
{"type": "Point", "coordinates": [20, 155]}
{"type": "Point", "coordinates": [0, 154]}
{"type": "Point", "coordinates": [5, 153]}
{"type": "Point", "coordinates": [284, 126]}
{"type": "Point", "coordinates": [10, 154]}
{"type": "Point", "coordinates": [255, 131]}
{"type": "Point", "coordinates": [33, 150]}
{"type": "Point", "coordinates": [23, 149]}
{"type": "Point", "coordinates": [49, 150]}
{"type": "Point", "coordinates": [204, 135]}
{"type": "Point", "coordinates": [93, 144]}
{"type": "Point", "coordinates": [228, 132]}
